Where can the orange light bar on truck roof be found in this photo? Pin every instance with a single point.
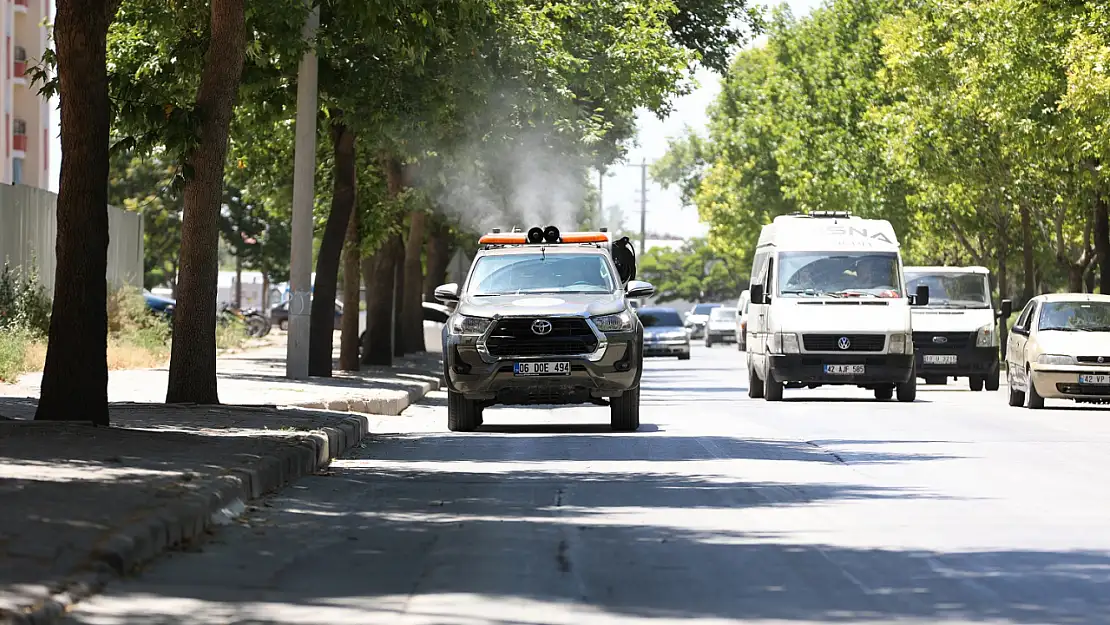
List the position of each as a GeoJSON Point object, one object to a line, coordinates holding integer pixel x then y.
{"type": "Point", "coordinates": [521, 239]}
{"type": "Point", "coordinates": [502, 239]}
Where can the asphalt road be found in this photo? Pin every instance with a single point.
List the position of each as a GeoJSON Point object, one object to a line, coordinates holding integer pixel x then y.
{"type": "Point", "coordinates": [827, 507]}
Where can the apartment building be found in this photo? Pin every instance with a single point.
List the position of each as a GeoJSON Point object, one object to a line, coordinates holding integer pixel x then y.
{"type": "Point", "coordinates": [25, 149]}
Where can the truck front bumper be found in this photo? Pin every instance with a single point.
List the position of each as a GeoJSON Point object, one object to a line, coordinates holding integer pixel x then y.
{"type": "Point", "coordinates": [810, 369]}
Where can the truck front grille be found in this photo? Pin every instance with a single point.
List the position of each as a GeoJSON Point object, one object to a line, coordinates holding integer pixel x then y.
{"type": "Point", "coordinates": [514, 337]}
{"type": "Point", "coordinates": [944, 340]}
{"type": "Point", "coordinates": [856, 342]}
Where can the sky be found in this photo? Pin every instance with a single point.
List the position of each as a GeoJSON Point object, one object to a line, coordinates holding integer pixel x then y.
{"type": "Point", "coordinates": [665, 212]}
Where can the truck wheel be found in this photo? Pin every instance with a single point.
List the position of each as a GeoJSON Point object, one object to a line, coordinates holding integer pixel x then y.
{"type": "Point", "coordinates": [907, 391]}
{"type": "Point", "coordinates": [884, 392]}
{"type": "Point", "coordinates": [684, 356]}
{"type": "Point", "coordinates": [975, 383]}
{"type": "Point", "coordinates": [772, 390]}
{"type": "Point", "coordinates": [755, 385]}
{"type": "Point", "coordinates": [1017, 398]}
{"type": "Point", "coordinates": [992, 380]}
{"type": "Point", "coordinates": [463, 415]}
{"type": "Point", "coordinates": [624, 411]}
{"type": "Point", "coordinates": [708, 341]}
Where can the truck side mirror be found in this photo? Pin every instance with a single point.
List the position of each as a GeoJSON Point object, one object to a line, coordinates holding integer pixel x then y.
{"type": "Point", "coordinates": [921, 298]}
{"type": "Point", "coordinates": [1005, 309]}
{"type": "Point", "coordinates": [756, 294]}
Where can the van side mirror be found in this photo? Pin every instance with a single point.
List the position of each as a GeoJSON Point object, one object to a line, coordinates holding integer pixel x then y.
{"type": "Point", "coordinates": [447, 292]}
{"type": "Point", "coordinates": [756, 294]}
{"type": "Point", "coordinates": [1005, 309]}
{"type": "Point", "coordinates": [921, 297]}
{"type": "Point", "coordinates": [639, 288]}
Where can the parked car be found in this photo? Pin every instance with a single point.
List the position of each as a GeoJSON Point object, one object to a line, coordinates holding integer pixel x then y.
{"type": "Point", "coordinates": [280, 315]}
{"type": "Point", "coordinates": [159, 305]}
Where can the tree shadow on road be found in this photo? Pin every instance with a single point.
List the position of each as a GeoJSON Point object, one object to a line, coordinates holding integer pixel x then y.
{"type": "Point", "coordinates": [375, 542]}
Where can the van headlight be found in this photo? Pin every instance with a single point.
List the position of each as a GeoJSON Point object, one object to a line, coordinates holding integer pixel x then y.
{"type": "Point", "coordinates": [784, 343]}
{"type": "Point", "coordinates": [1055, 359]}
{"type": "Point", "coordinates": [986, 336]}
{"type": "Point", "coordinates": [462, 325]}
{"type": "Point", "coordinates": [620, 322]}
{"type": "Point", "coordinates": [900, 344]}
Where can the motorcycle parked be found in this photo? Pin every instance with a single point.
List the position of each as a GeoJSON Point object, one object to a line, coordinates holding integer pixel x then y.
{"type": "Point", "coordinates": [257, 324]}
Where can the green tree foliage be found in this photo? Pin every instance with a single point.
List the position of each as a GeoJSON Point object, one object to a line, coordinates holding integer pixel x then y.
{"type": "Point", "coordinates": [694, 273]}
{"type": "Point", "coordinates": [977, 129]}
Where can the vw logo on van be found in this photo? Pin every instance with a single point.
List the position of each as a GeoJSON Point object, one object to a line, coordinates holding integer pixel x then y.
{"type": "Point", "coordinates": [844, 343]}
{"type": "Point", "coordinates": [541, 327]}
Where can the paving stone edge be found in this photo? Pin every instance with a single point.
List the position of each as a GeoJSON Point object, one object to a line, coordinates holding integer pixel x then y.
{"type": "Point", "coordinates": [192, 515]}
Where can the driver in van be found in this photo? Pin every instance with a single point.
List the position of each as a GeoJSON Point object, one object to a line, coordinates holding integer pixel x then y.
{"type": "Point", "coordinates": [874, 273]}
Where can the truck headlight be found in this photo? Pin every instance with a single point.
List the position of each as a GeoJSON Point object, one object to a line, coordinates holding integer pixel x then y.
{"type": "Point", "coordinates": [986, 336]}
{"type": "Point", "coordinates": [784, 343]}
{"type": "Point", "coordinates": [462, 325]}
{"type": "Point", "coordinates": [897, 344]}
{"type": "Point", "coordinates": [1055, 359]}
{"type": "Point", "coordinates": [620, 322]}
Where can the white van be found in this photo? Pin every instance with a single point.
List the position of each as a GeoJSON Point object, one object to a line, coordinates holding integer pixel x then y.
{"type": "Point", "coordinates": [956, 335]}
{"type": "Point", "coordinates": [829, 306]}
{"type": "Point", "coordinates": [742, 320]}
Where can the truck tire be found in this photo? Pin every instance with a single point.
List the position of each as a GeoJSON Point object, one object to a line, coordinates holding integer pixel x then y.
{"type": "Point", "coordinates": [772, 390]}
{"type": "Point", "coordinates": [463, 415]}
{"type": "Point", "coordinates": [992, 380]}
{"type": "Point", "coordinates": [624, 411]}
{"type": "Point", "coordinates": [884, 392]}
{"type": "Point", "coordinates": [907, 391]}
{"type": "Point", "coordinates": [975, 383]}
{"type": "Point", "coordinates": [755, 385]}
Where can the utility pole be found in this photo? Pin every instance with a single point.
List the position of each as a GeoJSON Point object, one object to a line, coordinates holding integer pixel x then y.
{"type": "Point", "coordinates": [643, 206]}
{"type": "Point", "coordinates": [601, 195]}
{"type": "Point", "coordinates": [304, 170]}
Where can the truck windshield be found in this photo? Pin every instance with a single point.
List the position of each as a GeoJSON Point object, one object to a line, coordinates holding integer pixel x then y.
{"type": "Point", "coordinates": [723, 314]}
{"type": "Point", "coordinates": [838, 274]}
{"type": "Point", "coordinates": [541, 273]}
{"type": "Point", "coordinates": [952, 290]}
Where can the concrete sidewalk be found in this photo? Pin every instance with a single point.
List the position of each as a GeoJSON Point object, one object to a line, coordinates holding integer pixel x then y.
{"type": "Point", "coordinates": [80, 505]}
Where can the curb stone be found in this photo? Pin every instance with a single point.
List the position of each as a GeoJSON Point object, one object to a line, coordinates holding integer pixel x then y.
{"type": "Point", "coordinates": [137, 544]}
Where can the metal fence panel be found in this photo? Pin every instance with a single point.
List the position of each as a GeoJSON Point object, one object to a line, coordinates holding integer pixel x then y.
{"type": "Point", "coordinates": [29, 229]}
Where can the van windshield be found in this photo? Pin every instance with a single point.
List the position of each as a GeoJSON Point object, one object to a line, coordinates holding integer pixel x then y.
{"type": "Point", "coordinates": [952, 290]}
{"type": "Point", "coordinates": [839, 274]}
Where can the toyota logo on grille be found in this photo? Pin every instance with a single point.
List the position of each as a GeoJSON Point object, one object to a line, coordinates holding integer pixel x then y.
{"type": "Point", "coordinates": [541, 327]}
{"type": "Point", "coordinates": [940, 339]}
{"type": "Point", "coordinates": [844, 343]}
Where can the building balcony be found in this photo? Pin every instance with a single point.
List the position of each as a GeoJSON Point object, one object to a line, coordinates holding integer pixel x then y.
{"type": "Point", "coordinates": [19, 68]}
{"type": "Point", "coordinates": [20, 6]}
{"type": "Point", "coordinates": [19, 143]}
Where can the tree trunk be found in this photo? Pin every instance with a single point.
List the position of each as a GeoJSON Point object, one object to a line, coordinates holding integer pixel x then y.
{"type": "Point", "coordinates": [348, 342]}
{"type": "Point", "coordinates": [439, 257]}
{"type": "Point", "coordinates": [75, 379]}
{"type": "Point", "coordinates": [1028, 266]}
{"type": "Point", "coordinates": [1102, 243]}
{"type": "Point", "coordinates": [399, 299]}
{"type": "Point", "coordinates": [378, 349]}
{"type": "Point", "coordinates": [193, 352]}
{"type": "Point", "coordinates": [266, 294]}
{"type": "Point", "coordinates": [412, 307]}
{"type": "Point", "coordinates": [1075, 278]}
{"type": "Point", "coordinates": [322, 326]}
{"type": "Point", "coordinates": [1090, 279]}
